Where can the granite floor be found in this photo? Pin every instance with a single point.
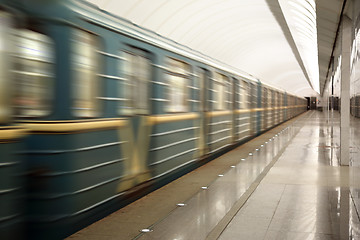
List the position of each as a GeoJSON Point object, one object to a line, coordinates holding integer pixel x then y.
{"type": "Point", "coordinates": [285, 184]}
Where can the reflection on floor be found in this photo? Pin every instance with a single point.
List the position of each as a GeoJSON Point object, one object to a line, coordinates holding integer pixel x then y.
{"type": "Point", "coordinates": [288, 186]}
{"type": "Point", "coordinates": [305, 195]}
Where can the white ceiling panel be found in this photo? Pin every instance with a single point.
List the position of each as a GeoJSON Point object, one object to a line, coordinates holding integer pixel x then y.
{"type": "Point", "coordinates": [246, 34]}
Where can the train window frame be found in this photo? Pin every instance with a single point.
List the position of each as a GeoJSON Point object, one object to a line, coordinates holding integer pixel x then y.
{"type": "Point", "coordinates": [6, 49]}
{"type": "Point", "coordinates": [90, 107]}
{"type": "Point", "coordinates": [264, 102]}
{"type": "Point", "coordinates": [38, 102]}
{"type": "Point", "coordinates": [275, 100]}
{"type": "Point", "coordinates": [221, 84]}
{"type": "Point", "coordinates": [269, 98]}
{"type": "Point", "coordinates": [229, 91]}
{"type": "Point", "coordinates": [178, 85]}
{"type": "Point", "coordinates": [254, 95]}
{"type": "Point", "coordinates": [133, 106]}
{"type": "Point", "coordinates": [244, 95]}
{"type": "Point", "coordinates": [202, 75]}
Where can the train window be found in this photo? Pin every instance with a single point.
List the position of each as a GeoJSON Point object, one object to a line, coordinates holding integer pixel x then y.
{"type": "Point", "coordinates": [254, 95]}
{"type": "Point", "coordinates": [221, 92]}
{"type": "Point", "coordinates": [177, 77]}
{"type": "Point", "coordinates": [85, 87]}
{"type": "Point", "coordinates": [275, 99]}
{"type": "Point", "coordinates": [244, 95]}
{"type": "Point", "coordinates": [269, 98]}
{"type": "Point", "coordinates": [202, 78]}
{"type": "Point", "coordinates": [137, 72]}
{"type": "Point", "coordinates": [236, 91]}
{"type": "Point", "coordinates": [5, 48]}
{"type": "Point", "coordinates": [228, 93]}
{"type": "Point", "coordinates": [264, 97]}
{"type": "Point", "coordinates": [33, 73]}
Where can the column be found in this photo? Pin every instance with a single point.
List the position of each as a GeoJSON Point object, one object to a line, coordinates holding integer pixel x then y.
{"type": "Point", "coordinates": [345, 91]}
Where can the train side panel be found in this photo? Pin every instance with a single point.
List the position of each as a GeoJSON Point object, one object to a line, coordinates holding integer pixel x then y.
{"type": "Point", "coordinates": [118, 116]}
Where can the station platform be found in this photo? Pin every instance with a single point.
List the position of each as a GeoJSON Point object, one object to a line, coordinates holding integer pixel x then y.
{"type": "Point", "coordinates": [285, 184]}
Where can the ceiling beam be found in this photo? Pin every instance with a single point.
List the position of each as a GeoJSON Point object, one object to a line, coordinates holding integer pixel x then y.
{"type": "Point", "coordinates": [333, 46]}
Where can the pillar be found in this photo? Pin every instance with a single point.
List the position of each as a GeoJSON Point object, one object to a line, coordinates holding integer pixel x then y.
{"type": "Point", "coordinates": [345, 91]}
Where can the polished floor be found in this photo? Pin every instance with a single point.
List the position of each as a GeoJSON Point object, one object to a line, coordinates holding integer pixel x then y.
{"type": "Point", "coordinates": [285, 184]}
{"type": "Point", "coordinates": [305, 195]}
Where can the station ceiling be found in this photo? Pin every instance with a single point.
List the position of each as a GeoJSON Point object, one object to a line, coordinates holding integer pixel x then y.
{"type": "Point", "coordinates": [285, 43]}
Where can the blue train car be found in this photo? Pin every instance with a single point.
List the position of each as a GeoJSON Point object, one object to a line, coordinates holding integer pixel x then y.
{"type": "Point", "coordinates": [11, 167]}
{"type": "Point", "coordinates": [110, 112]}
{"type": "Point", "coordinates": [12, 210]}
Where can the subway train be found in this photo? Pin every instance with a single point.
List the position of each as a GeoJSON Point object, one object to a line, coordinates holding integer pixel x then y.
{"type": "Point", "coordinates": [96, 111]}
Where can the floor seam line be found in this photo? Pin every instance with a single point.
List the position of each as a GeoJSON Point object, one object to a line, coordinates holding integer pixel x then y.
{"type": "Point", "coordinates": [256, 184]}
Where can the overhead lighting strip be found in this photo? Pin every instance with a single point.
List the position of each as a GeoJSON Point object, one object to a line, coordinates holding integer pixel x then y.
{"type": "Point", "coordinates": [300, 16]}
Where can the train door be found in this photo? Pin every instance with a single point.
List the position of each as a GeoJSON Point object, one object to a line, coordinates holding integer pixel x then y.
{"type": "Point", "coordinates": [259, 119]}
{"type": "Point", "coordinates": [277, 104]}
{"type": "Point", "coordinates": [244, 114]}
{"type": "Point", "coordinates": [264, 109]}
{"type": "Point", "coordinates": [135, 105]}
{"type": "Point", "coordinates": [220, 117]}
{"type": "Point", "coordinates": [253, 105]}
{"type": "Point", "coordinates": [235, 107]}
{"type": "Point", "coordinates": [232, 98]}
{"type": "Point", "coordinates": [204, 76]}
{"type": "Point", "coordinates": [271, 107]}
{"type": "Point", "coordinates": [281, 104]}
{"type": "Point", "coordinates": [284, 104]}
{"type": "Point", "coordinates": [280, 100]}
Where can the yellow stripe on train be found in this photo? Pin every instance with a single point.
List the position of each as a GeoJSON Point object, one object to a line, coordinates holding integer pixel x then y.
{"type": "Point", "coordinates": [11, 133]}
{"type": "Point", "coordinates": [72, 126]}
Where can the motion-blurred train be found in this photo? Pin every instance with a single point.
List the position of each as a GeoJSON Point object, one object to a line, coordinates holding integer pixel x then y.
{"type": "Point", "coordinates": [95, 110]}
